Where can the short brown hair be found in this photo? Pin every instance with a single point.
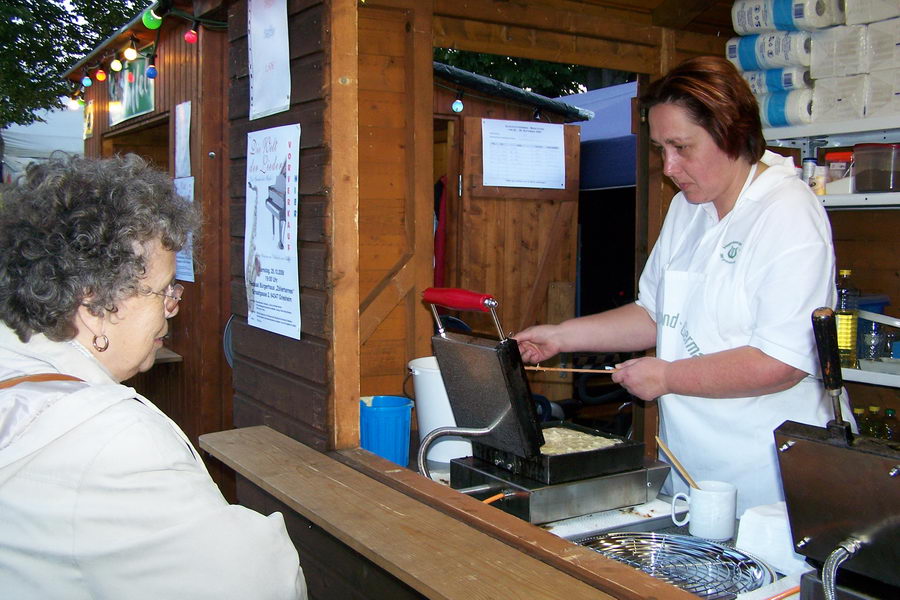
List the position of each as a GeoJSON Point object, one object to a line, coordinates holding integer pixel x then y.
{"type": "Point", "coordinates": [717, 99]}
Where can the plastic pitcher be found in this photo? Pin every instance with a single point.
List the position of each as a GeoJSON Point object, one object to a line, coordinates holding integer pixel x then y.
{"type": "Point", "coordinates": [433, 411]}
{"type": "Point", "coordinates": [384, 423]}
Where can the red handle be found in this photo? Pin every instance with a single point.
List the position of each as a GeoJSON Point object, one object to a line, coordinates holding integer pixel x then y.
{"type": "Point", "coordinates": [456, 299]}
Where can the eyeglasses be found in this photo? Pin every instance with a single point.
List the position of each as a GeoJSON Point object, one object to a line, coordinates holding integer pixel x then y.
{"type": "Point", "coordinates": [171, 297]}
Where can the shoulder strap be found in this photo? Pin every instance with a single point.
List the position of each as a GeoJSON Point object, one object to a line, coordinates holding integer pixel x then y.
{"type": "Point", "coordinates": [37, 378]}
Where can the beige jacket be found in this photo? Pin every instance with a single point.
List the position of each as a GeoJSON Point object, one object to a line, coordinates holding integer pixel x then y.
{"type": "Point", "coordinates": [103, 496]}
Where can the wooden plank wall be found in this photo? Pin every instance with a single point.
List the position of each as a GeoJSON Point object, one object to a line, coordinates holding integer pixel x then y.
{"type": "Point", "coordinates": [395, 192]}
{"type": "Point", "coordinates": [196, 392]}
{"type": "Point", "coordinates": [278, 381]}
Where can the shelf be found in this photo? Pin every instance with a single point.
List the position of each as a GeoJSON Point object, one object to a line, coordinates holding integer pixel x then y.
{"type": "Point", "coordinates": [873, 377]}
{"type": "Point", "coordinates": [164, 355]}
{"type": "Point", "coordinates": [870, 200]}
{"type": "Point", "coordinates": [856, 127]}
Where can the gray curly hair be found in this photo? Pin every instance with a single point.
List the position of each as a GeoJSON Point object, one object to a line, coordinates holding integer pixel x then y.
{"type": "Point", "coordinates": [71, 233]}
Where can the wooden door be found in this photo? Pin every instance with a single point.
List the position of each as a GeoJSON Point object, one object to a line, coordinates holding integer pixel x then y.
{"type": "Point", "coordinates": [513, 242]}
{"type": "Point", "coordinates": [517, 244]}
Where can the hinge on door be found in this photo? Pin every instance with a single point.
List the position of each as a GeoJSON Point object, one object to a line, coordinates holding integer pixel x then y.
{"type": "Point", "coordinates": [459, 186]}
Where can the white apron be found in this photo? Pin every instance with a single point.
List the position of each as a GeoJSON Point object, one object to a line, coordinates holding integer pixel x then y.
{"type": "Point", "coordinates": [727, 439]}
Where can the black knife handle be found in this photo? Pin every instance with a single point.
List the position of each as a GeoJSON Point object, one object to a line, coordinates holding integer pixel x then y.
{"type": "Point", "coordinates": [825, 330]}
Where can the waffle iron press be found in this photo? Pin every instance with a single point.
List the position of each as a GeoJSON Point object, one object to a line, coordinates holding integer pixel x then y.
{"type": "Point", "coordinates": [492, 404]}
{"type": "Point", "coordinates": [843, 495]}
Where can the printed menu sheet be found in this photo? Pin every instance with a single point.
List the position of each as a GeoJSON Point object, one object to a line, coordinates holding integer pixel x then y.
{"type": "Point", "coordinates": [523, 154]}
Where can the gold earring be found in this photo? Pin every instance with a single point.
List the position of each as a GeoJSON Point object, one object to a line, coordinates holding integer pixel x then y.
{"type": "Point", "coordinates": [100, 343]}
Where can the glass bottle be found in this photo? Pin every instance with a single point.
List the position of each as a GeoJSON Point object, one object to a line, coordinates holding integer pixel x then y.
{"type": "Point", "coordinates": [871, 340]}
{"type": "Point", "coordinates": [860, 415]}
{"type": "Point", "coordinates": [846, 314]}
{"type": "Point", "coordinates": [875, 424]}
{"type": "Point", "coordinates": [890, 425]}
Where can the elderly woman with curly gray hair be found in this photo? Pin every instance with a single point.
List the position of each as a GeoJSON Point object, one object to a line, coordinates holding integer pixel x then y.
{"type": "Point", "coordinates": [101, 494]}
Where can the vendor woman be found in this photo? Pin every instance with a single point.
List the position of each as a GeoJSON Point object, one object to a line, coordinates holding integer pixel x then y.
{"type": "Point", "coordinates": [743, 258]}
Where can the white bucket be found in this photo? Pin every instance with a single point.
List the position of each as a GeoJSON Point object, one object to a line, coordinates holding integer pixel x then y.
{"type": "Point", "coordinates": [433, 411]}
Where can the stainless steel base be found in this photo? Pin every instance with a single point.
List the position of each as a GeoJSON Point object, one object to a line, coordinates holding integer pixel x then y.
{"type": "Point", "coordinates": [537, 502]}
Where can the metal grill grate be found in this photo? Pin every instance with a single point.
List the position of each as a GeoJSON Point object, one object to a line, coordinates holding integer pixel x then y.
{"type": "Point", "coordinates": [704, 568]}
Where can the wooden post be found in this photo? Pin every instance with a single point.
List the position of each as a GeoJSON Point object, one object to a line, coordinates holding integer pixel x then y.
{"type": "Point", "coordinates": [341, 120]}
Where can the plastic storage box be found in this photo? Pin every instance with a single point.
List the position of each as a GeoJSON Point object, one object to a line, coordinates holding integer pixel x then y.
{"type": "Point", "coordinates": [877, 167]}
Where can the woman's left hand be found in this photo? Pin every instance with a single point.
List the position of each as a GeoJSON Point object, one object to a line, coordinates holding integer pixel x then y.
{"type": "Point", "coordinates": [643, 377]}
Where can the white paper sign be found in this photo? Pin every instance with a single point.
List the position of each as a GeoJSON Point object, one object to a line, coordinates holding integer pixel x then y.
{"type": "Point", "coordinates": [270, 73]}
{"type": "Point", "coordinates": [184, 258]}
{"type": "Point", "coordinates": [270, 230]}
{"type": "Point", "coordinates": [523, 154]}
{"type": "Point", "coordinates": [183, 139]}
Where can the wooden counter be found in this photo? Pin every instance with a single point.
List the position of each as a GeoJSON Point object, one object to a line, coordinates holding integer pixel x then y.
{"type": "Point", "coordinates": [425, 534]}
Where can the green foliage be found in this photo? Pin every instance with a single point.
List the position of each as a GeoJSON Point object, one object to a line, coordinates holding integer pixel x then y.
{"type": "Point", "coordinates": [40, 40]}
{"type": "Point", "coordinates": [544, 78]}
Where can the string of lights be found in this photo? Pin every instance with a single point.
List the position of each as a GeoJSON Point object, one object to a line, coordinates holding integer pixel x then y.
{"type": "Point", "coordinates": [152, 19]}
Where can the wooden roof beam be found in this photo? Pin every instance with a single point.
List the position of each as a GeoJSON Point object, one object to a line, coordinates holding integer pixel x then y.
{"type": "Point", "coordinates": [676, 14]}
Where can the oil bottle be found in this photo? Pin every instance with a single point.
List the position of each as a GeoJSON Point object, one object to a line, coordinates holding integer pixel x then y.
{"type": "Point", "coordinates": [847, 315]}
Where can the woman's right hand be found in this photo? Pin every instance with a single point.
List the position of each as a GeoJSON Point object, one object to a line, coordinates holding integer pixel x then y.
{"type": "Point", "coordinates": [538, 343]}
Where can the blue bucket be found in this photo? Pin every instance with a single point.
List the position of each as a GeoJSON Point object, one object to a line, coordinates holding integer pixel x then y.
{"type": "Point", "coordinates": [384, 423]}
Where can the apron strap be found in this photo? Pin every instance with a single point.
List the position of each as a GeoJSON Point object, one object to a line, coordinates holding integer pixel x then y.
{"type": "Point", "coordinates": [37, 378]}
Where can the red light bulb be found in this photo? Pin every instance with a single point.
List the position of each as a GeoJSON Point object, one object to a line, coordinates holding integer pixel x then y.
{"type": "Point", "coordinates": [191, 36]}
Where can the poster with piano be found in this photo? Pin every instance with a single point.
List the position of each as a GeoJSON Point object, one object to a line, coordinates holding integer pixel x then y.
{"type": "Point", "coordinates": [270, 230]}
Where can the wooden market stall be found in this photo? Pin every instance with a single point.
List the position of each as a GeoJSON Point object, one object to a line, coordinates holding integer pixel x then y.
{"type": "Point", "coordinates": [374, 127]}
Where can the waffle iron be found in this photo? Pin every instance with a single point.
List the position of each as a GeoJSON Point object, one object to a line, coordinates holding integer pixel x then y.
{"type": "Point", "coordinates": [492, 405]}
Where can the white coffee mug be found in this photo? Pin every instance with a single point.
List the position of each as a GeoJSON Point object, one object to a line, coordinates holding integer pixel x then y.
{"type": "Point", "coordinates": [712, 510]}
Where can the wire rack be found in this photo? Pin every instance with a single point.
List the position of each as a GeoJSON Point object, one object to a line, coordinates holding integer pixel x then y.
{"type": "Point", "coordinates": [701, 567]}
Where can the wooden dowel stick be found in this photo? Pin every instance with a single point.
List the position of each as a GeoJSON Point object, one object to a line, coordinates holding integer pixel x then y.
{"type": "Point", "coordinates": [565, 370]}
{"type": "Point", "coordinates": [677, 464]}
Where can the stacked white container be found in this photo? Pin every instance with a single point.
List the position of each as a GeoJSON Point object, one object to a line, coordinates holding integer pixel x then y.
{"type": "Point", "coordinates": [822, 60]}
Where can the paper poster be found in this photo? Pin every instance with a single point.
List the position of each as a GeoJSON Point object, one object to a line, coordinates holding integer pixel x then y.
{"type": "Point", "coordinates": [523, 154]}
{"type": "Point", "coordinates": [270, 230]}
{"type": "Point", "coordinates": [270, 72]}
{"type": "Point", "coordinates": [184, 258]}
{"type": "Point", "coordinates": [88, 130]}
{"type": "Point", "coordinates": [183, 139]}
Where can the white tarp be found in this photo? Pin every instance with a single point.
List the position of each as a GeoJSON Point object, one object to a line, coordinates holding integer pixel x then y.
{"type": "Point", "coordinates": [23, 144]}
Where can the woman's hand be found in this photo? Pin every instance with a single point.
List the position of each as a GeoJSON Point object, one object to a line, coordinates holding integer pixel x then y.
{"type": "Point", "coordinates": [643, 377]}
{"type": "Point", "coordinates": [538, 343]}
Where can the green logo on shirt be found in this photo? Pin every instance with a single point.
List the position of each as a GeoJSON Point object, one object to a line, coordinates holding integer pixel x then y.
{"type": "Point", "coordinates": [730, 252]}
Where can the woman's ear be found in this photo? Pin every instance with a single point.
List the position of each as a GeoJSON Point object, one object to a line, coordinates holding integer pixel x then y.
{"type": "Point", "coordinates": [87, 323]}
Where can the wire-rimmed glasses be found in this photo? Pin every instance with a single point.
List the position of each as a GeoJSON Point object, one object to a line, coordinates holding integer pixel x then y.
{"type": "Point", "coordinates": [171, 297]}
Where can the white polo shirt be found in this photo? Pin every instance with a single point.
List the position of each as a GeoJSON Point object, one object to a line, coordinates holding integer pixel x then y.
{"type": "Point", "coordinates": [752, 278]}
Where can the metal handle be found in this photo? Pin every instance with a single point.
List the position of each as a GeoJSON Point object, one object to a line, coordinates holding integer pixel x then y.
{"type": "Point", "coordinates": [825, 330]}
{"type": "Point", "coordinates": [459, 299]}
